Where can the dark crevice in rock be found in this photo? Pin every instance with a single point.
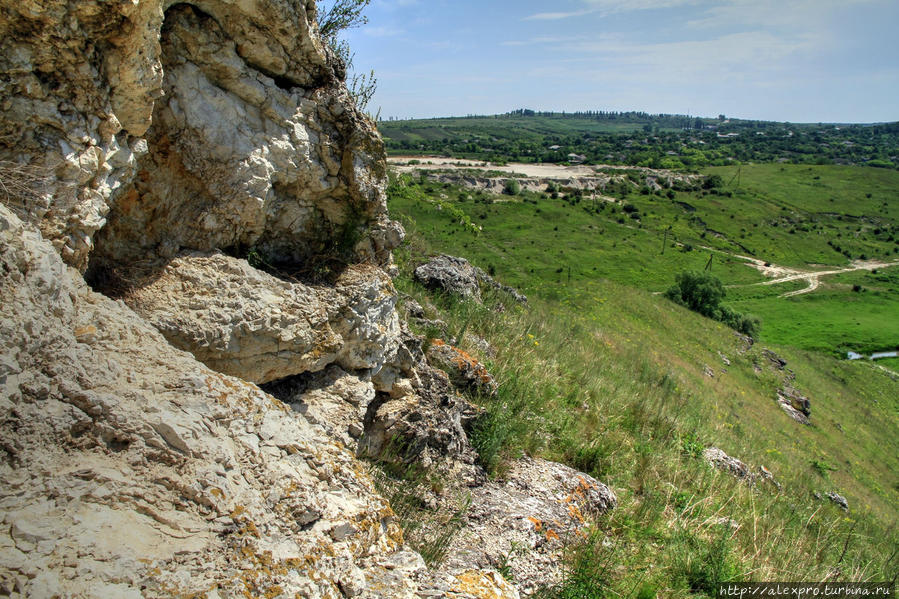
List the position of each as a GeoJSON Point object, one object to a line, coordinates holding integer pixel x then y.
{"type": "Point", "coordinates": [290, 388]}
{"type": "Point", "coordinates": [284, 83]}
{"type": "Point", "coordinates": [116, 279]}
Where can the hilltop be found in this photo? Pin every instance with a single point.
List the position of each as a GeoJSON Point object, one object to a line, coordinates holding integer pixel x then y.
{"type": "Point", "coordinates": [640, 139]}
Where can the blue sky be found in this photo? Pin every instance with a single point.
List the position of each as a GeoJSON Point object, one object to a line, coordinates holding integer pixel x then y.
{"type": "Point", "coordinates": [784, 60]}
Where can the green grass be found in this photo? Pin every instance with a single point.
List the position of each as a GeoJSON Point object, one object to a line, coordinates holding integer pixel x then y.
{"type": "Point", "coordinates": [564, 248]}
{"type": "Point", "coordinates": [617, 390]}
{"type": "Point", "coordinates": [604, 375]}
{"type": "Point", "coordinates": [831, 319]}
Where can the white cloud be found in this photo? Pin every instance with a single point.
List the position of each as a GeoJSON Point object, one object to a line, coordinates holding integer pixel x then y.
{"type": "Point", "coordinates": [801, 14]}
{"type": "Point", "coordinates": [541, 39]}
{"type": "Point", "coordinates": [556, 16]}
{"type": "Point", "coordinates": [729, 56]}
{"type": "Point", "coordinates": [615, 6]}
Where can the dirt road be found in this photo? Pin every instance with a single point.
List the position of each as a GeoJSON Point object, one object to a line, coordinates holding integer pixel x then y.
{"type": "Point", "coordinates": [783, 274]}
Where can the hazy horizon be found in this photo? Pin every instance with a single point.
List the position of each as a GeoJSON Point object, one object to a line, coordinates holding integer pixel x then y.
{"type": "Point", "coordinates": [805, 61]}
{"type": "Point", "coordinates": [704, 116]}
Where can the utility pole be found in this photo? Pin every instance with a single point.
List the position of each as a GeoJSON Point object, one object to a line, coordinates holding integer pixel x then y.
{"type": "Point", "coordinates": [665, 240]}
{"type": "Point", "coordinates": [708, 265]}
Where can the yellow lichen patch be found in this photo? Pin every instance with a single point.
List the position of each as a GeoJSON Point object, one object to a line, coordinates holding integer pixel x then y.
{"type": "Point", "coordinates": [551, 535]}
{"type": "Point", "coordinates": [86, 334]}
{"type": "Point", "coordinates": [576, 514]}
{"type": "Point", "coordinates": [482, 584]}
{"type": "Point", "coordinates": [537, 523]}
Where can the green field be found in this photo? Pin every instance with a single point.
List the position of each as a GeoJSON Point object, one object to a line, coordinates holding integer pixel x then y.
{"type": "Point", "coordinates": [833, 318]}
{"type": "Point", "coordinates": [564, 248]}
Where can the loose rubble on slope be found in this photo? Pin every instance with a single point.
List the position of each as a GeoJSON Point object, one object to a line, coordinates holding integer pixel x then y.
{"type": "Point", "coordinates": [717, 458]}
{"type": "Point", "coordinates": [182, 149]}
{"type": "Point", "coordinates": [458, 276]}
{"type": "Point", "coordinates": [795, 404]}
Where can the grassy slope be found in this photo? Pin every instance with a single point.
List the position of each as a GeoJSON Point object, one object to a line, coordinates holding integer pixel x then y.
{"type": "Point", "coordinates": [609, 378]}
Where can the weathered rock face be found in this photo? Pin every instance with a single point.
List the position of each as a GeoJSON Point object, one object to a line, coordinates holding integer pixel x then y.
{"type": "Point", "coordinates": [246, 323]}
{"type": "Point", "coordinates": [167, 475]}
{"type": "Point", "coordinates": [524, 522]}
{"type": "Point", "coordinates": [459, 277]}
{"type": "Point", "coordinates": [198, 126]}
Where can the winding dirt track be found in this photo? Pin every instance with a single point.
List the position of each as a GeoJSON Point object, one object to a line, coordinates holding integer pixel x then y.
{"type": "Point", "coordinates": [784, 275]}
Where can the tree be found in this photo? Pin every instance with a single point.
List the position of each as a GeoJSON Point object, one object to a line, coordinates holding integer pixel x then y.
{"type": "Point", "coordinates": [700, 292]}
{"type": "Point", "coordinates": [512, 187]}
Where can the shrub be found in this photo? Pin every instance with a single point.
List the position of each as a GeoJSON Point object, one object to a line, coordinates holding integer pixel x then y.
{"type": "Point", "coordinates": [713, 182]}
{"type": "Point", "coordinates": [700, 292]}
{"type": "Point", "coordinates": [512, 187]}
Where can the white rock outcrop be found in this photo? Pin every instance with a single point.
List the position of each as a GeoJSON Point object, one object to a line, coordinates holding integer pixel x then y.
{"type": "Point", "coordinates": [188, 126]}
{"type": "Point", "coordinates": [246, 323]}
{"type": "Point", "coordinates": [130, 469]}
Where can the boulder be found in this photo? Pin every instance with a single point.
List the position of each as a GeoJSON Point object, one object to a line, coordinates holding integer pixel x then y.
{"type": "Point", "coordinates": [718, 459]}
{"type": "Point", "coordinates": [722, 461]}
{"type": "Point", "coordinates": [839, 500]}
{"type": "Point", "coordinates": [524, 521]}
{"type": "Point", "coordinates": [246, 323]}
{"type": "Point", "coordinates": [459, 277]}
{"type": "Point", "coordinates": [450, 274]}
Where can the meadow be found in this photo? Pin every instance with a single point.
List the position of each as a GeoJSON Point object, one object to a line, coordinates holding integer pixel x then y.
{"type": "Point", "coordinates": [810, 218]}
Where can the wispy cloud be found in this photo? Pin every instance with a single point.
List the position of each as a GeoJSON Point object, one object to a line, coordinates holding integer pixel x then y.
{"type": "Point", "coordinates": [557, 16]}
{"type": "Point", "coordinates": [541, 39]}
{"type": "Point", "coordinates": [608, 7]}
{"type": "Point", "coordinates": [771, 13]}
{"type": "Point", "coordinates": [394, 4]}
{"type": "Point", "coordinates": [616, 6]}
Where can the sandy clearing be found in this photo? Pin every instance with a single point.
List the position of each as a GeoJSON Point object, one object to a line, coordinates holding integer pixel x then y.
{"type": "Point", "coordinates": [537, 170]}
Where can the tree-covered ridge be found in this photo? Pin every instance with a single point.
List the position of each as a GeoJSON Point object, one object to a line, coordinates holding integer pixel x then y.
{"type": "Point", "coordinates": [641, 139]}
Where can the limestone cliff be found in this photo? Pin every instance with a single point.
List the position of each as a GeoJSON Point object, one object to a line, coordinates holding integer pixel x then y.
{"type": "Point", "coordinates": [213, 124]}
{"type": "Point", "coordinates": [202, 165]}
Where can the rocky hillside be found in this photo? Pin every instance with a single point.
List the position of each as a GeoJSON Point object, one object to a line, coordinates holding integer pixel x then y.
{"type": "Point", "coordinates": [199, 336]}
